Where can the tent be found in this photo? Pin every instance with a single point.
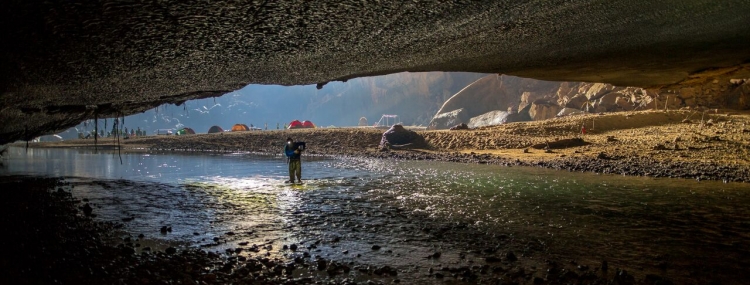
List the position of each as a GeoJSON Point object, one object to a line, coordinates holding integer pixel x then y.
{"type": "Point", "coordinates": [296, 124]}
{"type": "Point", "coordinates": [185, 131]}
{"type": "Point", "coordinates": [308, 124]}
{"type": "Point", "coordinates": [215, 129]}
{"type": "Point", "coordinates": [240, 128]}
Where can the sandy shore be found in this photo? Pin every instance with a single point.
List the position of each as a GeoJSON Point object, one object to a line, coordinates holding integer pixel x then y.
{"type": "Point", "coordinates": [713, 145]}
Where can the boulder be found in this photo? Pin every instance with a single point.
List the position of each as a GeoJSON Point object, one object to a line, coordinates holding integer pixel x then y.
{"type": "Point", "coordinates": [607, 102]}
{"type": "Point", "coordinates": [740, 96]}
{"type": "Point", "coordinates": [446, 120]}
{"type": "Point", "coordinates": [542, 110]}
{"type": "Point", "coordinates": [624, 104]}
{"type": "Point", "coordinates": [398, 136]}
{"type": "Point", "coordinates": [738, 81]}
{"type": "Point", "coordinates": [461, 126]}
{"type": "Point", "coordinates": [490, 118]}
{"type": "Point", "coordinates": [497, 117]}
{"type": "Point", "coordinates": [595, 90]}
{"type": "Point", "coordinates": [524, 100]}
{"type": "Point", "coordinates": [577, 101]}
{"type": "Point", "coordinates": [570, 112]}
{"type": "Point", "coordinates": [489, 93]}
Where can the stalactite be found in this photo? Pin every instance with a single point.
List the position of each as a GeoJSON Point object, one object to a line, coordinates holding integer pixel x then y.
{"type": "Point", "coordinates": [119, 152]}
{"type": "Point", "coordinates": [96, 131]}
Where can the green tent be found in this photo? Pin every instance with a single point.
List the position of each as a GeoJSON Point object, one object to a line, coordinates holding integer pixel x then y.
{"type": "Point", "coordinates": [185, 131]}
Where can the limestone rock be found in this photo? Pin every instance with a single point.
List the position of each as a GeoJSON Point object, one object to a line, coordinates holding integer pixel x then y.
{"type": "Point", "coordinates": [461, 126]}
{"type": "Point", "coordinates": [597, 90]}
{"type": "Point", "coordinates": [446, 120]}
{"type": "Point", "coordinates": [623, 104]}
{"type": "Point", "coordinates": [578, 101]}
{"type": "Point", "coordinates": [397, 135]}
{"type": "Point", "coordinates": [542, 110]}
{"type": "Point", "coordinates": [569, 112]}
{"type": "Point", "coordinates": [490, 118]}
{"type": "Point", "coordinates": [608, 102]}
{"type": "Point", "coordinates": [491, 93]}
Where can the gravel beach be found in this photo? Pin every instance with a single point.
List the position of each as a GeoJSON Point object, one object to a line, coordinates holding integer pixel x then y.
{"type": "Point", "coordinates": [692, 144]}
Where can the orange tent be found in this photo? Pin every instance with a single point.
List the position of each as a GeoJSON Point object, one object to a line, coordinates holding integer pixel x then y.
{"type": "Point", "coordinates": [296, 124]}
{"type": "Point", "coordinates": [240, 128]}
{"type": "Point", "coordinates": [215, 129]}
{"type": "Point", "coordinates": [308, 124]}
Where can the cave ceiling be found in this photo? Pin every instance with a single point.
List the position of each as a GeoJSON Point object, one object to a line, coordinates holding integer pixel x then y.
{"type": "Point", "coordinates": [63, 62]}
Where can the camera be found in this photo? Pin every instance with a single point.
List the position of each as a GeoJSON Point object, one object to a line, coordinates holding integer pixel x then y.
{"type": "Point", "coordinates": [300, 145]}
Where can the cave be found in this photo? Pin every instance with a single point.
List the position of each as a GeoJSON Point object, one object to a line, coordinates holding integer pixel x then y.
{"type": "Point", "coordinates": [68, 61]}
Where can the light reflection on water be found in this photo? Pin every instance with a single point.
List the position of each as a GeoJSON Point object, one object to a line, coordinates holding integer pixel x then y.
{"type": "Point", "coordinates": [630, 221]}
{"type": "Point", "coordinates": [200, 196]}
{"type": "Point", "coordinates": [640, 222]}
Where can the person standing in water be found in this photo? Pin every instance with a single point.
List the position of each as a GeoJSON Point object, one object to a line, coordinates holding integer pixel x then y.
{"type": "Point", "coordinates": [293, 152]}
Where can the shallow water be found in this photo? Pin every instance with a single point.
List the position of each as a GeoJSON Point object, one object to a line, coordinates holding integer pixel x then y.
{"type": "Point", "coordinates": [689, 231]}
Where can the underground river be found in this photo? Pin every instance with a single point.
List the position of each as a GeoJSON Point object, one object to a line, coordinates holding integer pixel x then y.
{"type": "Point", "coordinates": [425, 221]}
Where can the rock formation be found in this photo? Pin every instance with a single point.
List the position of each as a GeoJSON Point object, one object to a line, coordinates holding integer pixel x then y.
{"type": "Point", "coordinates": [541, 100]}
{"type": "Point", "coordinates": [543, 109]}
{"type": "Point", "coordinates": [66, 61]}
{"type": "Point", "coordinates": [460, 127]}
{"type": "Point", "coordinates": [399, 137]}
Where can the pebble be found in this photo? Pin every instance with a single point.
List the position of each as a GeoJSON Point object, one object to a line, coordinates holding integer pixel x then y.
{"type": "Point", "coordinates": [510, 256]}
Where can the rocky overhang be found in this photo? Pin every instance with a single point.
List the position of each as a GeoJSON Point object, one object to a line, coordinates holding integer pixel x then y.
{"type": "Point", "coordinates": [62, 62]}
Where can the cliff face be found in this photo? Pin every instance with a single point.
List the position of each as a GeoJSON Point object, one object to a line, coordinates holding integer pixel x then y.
{"type": "Point", "coordinates": [491, 99]}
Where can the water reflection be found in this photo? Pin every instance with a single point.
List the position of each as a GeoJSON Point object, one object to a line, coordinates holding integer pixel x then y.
{"type": "Point", "coordinates": [635, 222]}
{"type": "Point", "coordinates": [661, 226]}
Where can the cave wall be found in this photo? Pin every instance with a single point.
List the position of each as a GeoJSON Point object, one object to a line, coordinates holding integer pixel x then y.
{"type": "Point", "coordinates": [65, 61]}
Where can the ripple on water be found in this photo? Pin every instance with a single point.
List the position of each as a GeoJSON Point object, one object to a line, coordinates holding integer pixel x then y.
{"type": "Point", "coordinates": [414, 209]}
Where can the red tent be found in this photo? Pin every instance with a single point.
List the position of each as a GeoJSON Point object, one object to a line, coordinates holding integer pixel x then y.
{"type": "Point", "coordinates": [295, 124]}
{"type": "Point", "coordinates": [308, 124]}
{"type": "Point", "coordinates": [215, 129]}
